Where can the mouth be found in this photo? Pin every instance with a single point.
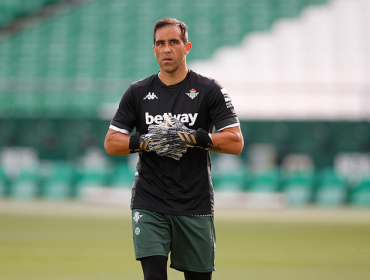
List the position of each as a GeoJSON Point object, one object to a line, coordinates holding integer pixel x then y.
{"type": "Point", "coordinates": [167, 59]}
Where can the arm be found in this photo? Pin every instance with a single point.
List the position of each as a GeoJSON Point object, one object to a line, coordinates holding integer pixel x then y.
{"type": "Point", "coordinates": [116, 143]}
{"type": "Point", "coordinates": [228, 141]}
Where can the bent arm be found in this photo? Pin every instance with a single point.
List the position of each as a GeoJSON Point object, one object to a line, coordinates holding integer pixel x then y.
{"type": "Point", "coordinates": [116, 143]}
{"type": "Point", "coordinates": [228, 141]}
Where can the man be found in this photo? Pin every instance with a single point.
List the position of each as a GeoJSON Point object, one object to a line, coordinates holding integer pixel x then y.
{"type": "Point", "coordinates": [172, 196]}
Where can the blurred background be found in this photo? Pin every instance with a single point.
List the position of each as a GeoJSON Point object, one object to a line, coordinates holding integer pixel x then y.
{"type": "Point", "coordinates": [297, 71]}
{"type": "Point", "coordinates": [295, 202]}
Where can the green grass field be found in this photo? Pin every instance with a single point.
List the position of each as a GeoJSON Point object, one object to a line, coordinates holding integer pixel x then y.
{"type": "Point", "coordinates": [53, 243]}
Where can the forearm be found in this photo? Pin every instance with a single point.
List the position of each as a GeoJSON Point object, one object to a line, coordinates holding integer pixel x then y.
{"type": "Point", "coordinates": [116, 143]}
{"type": "Point", "coordinates": [228, 141]}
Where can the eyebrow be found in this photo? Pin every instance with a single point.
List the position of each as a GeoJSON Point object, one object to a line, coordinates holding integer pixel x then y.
{"type": "Point", "coordinates": [171, 40]}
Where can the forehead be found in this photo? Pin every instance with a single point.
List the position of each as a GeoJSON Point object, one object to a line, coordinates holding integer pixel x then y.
{"type": "Point", "coordinates": [168, 32]}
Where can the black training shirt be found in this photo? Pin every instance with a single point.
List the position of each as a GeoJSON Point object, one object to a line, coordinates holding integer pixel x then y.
{"type": "Point", "coordinates": [163, 184]}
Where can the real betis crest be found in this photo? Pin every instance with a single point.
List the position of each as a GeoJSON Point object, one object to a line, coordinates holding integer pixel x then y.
{"type": "Point", "coordinates": [192, 94]}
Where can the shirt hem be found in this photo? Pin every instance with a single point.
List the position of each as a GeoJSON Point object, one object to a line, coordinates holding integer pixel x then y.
{"type": "Point", "coordinates": [180, 213]}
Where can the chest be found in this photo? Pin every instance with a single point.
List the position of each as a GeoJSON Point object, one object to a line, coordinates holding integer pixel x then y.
{"type": "Point", "coordinates": [187, 103]}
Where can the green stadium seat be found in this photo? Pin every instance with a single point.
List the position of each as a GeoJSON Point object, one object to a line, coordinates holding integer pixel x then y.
{"type": "Point", "coordinates": [91, 177]}
{"type": "Point", "coordinates": [2, 183]}
{"type": "Point", "coordinates": [332, 189]}
{"type": "Point", "coordinates": [360, 196]}
{"type": "Point", "coordinates": [123, 176]}
{"type": "Point", "coordinates": [265, 181]}
{"type": "Point", "coordinates": [58, 184]}
{"type": "Point", "coordinates": [228, 173]}
{"type": "Point", "coordinates": [298, 187]}
{"type": "Point", "coordinates": [230, 181]}
{"type": "Point", "coordinates": [26, 184]}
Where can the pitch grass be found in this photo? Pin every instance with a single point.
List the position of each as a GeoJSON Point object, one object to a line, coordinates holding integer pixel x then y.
{"type": "Point", "coordinates": [40, 247]}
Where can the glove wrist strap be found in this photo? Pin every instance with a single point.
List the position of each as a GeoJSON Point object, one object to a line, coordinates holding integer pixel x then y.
{"type": "Point", "coordinates": [134, 144]}
{"type": "Point", "coordinates": [203, 139]}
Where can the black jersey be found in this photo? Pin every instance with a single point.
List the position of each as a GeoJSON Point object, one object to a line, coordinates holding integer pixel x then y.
{"type": "Point", "coordinates": [163, 184]}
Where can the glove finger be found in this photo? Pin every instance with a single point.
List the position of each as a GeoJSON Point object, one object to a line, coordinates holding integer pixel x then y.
{"type": "Point", "coordinates": [173, 122]}
{"type": "Point", "coordinates": [166, 149]}
{"type": "Point", "coordinates": [157, 145]}
{"type": "Point", "coordinates": [158, 129]}
{"type": "Point", "coordinates": [175, 156]}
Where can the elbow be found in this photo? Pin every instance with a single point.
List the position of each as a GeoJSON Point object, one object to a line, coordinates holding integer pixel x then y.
{"type": "Point", "coordinates": [238, 149]}
{"type": "Point", "coordinates": [239, 145]}
{"type": "Point", "coordinates": [108, 148]}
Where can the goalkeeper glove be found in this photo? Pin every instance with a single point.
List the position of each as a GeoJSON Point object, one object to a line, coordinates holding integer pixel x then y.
{"type": "Point", "coordinates": [177, 137]}
{"type": "Point", "coordinates": [143, 142]}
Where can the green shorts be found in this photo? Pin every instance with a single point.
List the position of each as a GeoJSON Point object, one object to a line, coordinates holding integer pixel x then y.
{"type": "Point", "coordinates": [190, 239]}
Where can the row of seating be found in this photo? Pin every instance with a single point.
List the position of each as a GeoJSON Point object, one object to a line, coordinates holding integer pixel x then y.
{"type": "Point", "coordinates": [113, 38]}
{"type": "Point", "coordinates": [13, 9]}
{"type": "Point", "coordinates": [67, 139]}
{"type": "Point", "coordinates": [63, 180]}
{"type": "Point", "coordinates": [325, 188]}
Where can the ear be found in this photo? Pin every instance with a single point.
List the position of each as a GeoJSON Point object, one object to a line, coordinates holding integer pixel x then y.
{"type": "Point", "coordinates": [187, 47]}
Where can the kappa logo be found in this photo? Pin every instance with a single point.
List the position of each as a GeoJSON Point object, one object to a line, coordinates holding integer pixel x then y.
{"type": "Point", "coordinates": [192, 94]}
{"type": "Point", "coordinates": [227, 98]}
{"type": "Point", "coordinates": [151, 96]}
{"type": "Point", "coordinates": [137, 217]}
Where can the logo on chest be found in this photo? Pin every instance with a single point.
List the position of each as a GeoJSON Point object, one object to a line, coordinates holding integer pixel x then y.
{"type": "Point", "coordinates": [192, 94]}
{"type": "Point", "coordinates": [187, 118]}
{"type": "Point", "coordinates": [151, 96]}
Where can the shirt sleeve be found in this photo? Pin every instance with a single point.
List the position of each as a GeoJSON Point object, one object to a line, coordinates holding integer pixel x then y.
{"type": "Point", "coordinates": [221, 110]}
{"type": "Point", "coordinates": [125, 118]}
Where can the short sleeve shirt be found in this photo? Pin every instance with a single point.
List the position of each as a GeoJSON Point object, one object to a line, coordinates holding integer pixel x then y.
{"type": "Point", "coordinates": [163, 184]}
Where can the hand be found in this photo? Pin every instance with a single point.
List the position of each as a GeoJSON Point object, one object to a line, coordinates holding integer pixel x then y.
{"type": "Point", "coordinates": [143, 142]}
{"type": "Point", "coordinates": [177, 137]}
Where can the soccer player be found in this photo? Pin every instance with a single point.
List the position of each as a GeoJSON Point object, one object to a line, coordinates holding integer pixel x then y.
{"type": "Point", "coordinates": [174, 112]}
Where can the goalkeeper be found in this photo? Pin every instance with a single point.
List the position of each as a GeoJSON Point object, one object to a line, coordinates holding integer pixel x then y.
{"type": "Point", "coordinates": [175, 113]}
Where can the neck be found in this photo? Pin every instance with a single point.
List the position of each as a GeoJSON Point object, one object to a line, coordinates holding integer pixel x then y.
{"type": "Point", "coordinates": [172, 78]}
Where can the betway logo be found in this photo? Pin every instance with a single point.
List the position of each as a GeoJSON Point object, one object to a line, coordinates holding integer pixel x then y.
{"type": "Point", "coordinates": [184, 118]}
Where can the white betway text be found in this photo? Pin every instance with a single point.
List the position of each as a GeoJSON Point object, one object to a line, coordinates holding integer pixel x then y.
{"type": "Point", "coordinates": [184, 118]}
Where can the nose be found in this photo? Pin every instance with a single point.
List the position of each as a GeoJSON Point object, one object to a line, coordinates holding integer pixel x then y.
{"type": "Point", "coordinates": [166, 47]}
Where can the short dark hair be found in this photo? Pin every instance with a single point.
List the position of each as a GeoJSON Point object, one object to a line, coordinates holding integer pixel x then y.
{"type": "Point", "coordinates": [172, 21]}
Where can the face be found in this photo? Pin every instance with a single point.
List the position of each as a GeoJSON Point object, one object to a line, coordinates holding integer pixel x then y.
{"type": "Point", "coordinates": [170, 50]}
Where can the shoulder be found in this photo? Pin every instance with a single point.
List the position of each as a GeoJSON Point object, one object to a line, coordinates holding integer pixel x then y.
{"type": "Point", "coordinates": [146, 82]}
{"type": "Point", "coordinates": [206, 81]}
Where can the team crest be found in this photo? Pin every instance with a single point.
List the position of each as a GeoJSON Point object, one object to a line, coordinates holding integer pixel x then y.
{"type": "Point", "coordinates": [192, 94]}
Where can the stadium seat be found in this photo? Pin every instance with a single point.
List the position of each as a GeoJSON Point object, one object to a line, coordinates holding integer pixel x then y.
{"type": "Point", "coordinates": [58, 182]}
{"type": "Point", "coordinates": [332, 189]}
{"type": "Point", "coordinates": [91, 177]}
{"type": "Point", "coordinates": [2, 183]}
{"type": "Point", "coordinates": [123, 176]}
{"type": "Point", "coordinates": [265, 181]}
{"type": "Point", "coordinates": [228, 173]}
{"type": "Point", "coordinates": [232, 181]}
{"type": "Point", "coordinates": [26, 184]}
{"type": "Point", "coordinates": [360, 196]}
{"type": "Point", "coordinates": [298, 187]}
